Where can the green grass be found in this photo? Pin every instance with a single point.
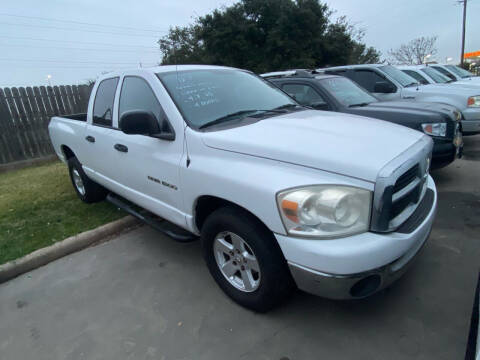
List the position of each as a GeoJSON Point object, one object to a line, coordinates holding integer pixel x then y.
{"type": "Point", "coordinates": [38, 207]}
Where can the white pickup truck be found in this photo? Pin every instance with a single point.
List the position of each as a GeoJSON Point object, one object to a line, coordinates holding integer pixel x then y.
{"type": "Point", "coordinates": [281, 195]}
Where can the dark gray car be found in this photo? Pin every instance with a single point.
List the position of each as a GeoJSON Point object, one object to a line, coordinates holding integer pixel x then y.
{"type": "Point", "coordinates": [340, 94]}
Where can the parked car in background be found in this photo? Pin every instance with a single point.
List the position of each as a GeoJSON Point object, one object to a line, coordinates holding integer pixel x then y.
{"type": "Point", "coordinates": [389, 83]}
{"type": "Point", "coordinates": [340, 94]}
{"type": "Point", "coordinates": [279, 194]}
{"type": "Point", "coordinates": [456, 73]}
{"type": "Point", "coordinates": [426, 74]}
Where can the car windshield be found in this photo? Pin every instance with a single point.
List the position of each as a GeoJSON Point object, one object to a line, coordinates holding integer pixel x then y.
{"type": "Point", "coordinates": [436, 76]}
{"type": "Point", "coordinates": [398, 75]}
{"type": "Point", "coordinates": [347, 92]}
{"type": "Point", "coordinates": [459, 71]}
{"type": "Point", "coordinates": [208, 95]}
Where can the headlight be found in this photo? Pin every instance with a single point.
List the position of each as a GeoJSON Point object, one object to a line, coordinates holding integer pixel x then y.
{"type": "Point", "coordinates": [474, 101]}
{"type": "Point", "coordinates": [435, 129]}
{"type": "Point", "coordinates": [458, 115]}
{"type": "Point", "coordinates": [325, 211]}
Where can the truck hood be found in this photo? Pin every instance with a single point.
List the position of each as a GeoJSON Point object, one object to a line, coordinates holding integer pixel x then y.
{"type": "Point", "coordinates": [407, 113]}
{"type": "Point", "coordinates": [419, 106]}
{"type": "Point", "coordinates": [346, 144]}
{"type": "Point", "coordinates": [464, 91]}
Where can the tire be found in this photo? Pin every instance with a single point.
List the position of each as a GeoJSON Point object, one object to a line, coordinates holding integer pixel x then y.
{"type": "Point", "coordinates": [87, 190]}
{"type": "Point", "coordinates": [263, 289]}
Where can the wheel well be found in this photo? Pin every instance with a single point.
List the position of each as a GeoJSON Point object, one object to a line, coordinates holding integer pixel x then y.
{"type": "Point", "coordinates": [67, 152]}
{"type": "Point", "coordinates": [207, 204]}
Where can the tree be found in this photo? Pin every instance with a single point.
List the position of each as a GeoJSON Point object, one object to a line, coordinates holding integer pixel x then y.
{"type": "Point", "coordinates": [415, 52]}
{"type": "Point", "coordinates": [265, 35]}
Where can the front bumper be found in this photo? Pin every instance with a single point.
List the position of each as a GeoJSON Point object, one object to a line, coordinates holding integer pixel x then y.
{"type": "Point", "coordinates": [471, 121]}
{"type": "Point", "coordinates": [356, 266]}
{"type": "Point", "coordinates": [445, 152]}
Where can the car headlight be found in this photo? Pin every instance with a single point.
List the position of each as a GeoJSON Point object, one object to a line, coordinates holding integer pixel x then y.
{"type": "Point", "coordinates": [325, 211]}
{"type": "Point", "coordinates": [458, 115]}
{"type": "Point", "coordinates": [435, 129]}
{"type": "Point", "coordinates": [474, 101]}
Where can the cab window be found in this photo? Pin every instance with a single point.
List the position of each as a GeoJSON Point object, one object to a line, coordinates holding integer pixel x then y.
{"type": "Point", "coordinates": [305, 95]}
{"type": "Point", "coordinates": [103, 105]}
{"type": "Point", "coordinates": [368, 78]}
{"type": "Point", "coordinates": [416, 76]}
{"type": "Point", "coordinates": [136, 94]}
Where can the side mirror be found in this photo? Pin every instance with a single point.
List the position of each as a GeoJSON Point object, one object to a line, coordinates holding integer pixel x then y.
{"type": "Point", "coordinates": [139, 122]}
{"type": "Point", "coordinates": [384, 88]}
{"type": "Point", "coordinates": [320, 105]}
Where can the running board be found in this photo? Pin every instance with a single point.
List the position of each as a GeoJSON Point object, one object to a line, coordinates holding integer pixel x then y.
{"type": "Point", "coordinates": [164, 226]}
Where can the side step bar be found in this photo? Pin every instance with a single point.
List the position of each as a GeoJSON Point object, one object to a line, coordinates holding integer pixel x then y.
{"type": "Point", "coordinates": [165, 227]}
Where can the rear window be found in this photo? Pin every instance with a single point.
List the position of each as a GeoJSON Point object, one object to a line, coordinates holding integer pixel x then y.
{"type": "Point", "coordinates": [103, 105]}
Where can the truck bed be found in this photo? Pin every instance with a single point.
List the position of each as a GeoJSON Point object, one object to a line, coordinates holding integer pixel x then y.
{"type": "Point", "coordinates": [78, 117]}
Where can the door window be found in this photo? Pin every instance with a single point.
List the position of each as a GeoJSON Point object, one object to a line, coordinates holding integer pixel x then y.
{"type": "Point", "coordinates": [305, 95]}
{"type": "Point", "coordinates": [103, 105]}
{"type": "Point", "coordinates": [136, 94]}
{"type": "Point", "coordinates": [367, 79]}
{"type": "Point", "coordinates": [416, 76]}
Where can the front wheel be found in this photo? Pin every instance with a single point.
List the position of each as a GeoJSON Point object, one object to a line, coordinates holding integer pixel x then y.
{"type": "Point", "coordinates": [245, 259]}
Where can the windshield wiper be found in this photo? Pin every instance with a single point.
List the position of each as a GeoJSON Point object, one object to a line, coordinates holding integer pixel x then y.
{"type": "Point", "coordinates": [359, 104]}
{"type": "Point", "coordinates": [229, 117]}
{"type": "Point", "coordinates": [287, 106]}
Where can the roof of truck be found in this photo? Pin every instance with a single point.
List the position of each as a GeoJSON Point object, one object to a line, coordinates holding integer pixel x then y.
{"type": "Point", "coordinates": [350, 66]}
{"type": "Point", "coordinates": [162, 68]}
{"type": "Point", "coordinates": [296, 73]}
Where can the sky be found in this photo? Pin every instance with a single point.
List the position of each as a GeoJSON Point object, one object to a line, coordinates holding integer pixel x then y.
{"type": "Point", "coordinates": [65, 42]}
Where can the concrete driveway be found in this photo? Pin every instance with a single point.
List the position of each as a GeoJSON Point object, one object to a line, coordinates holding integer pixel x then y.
{"type": "Point", "coordinates": [142, 296]}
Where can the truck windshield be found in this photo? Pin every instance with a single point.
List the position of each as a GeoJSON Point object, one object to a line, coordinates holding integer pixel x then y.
{"type": "Point", "coordinates": [214, 95]}
{"type": "Point", "coordinates": [398, 75]}
{"type": "Point", "coordinates": [436, 76]}
{"type": "Point", "coordinates": [347, 92]}
{"type": "Point", "coordinates": [459, 71]}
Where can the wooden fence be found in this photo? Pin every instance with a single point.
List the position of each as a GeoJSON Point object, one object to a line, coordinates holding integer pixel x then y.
{"type": "Point", "coordinates": [25, 114]}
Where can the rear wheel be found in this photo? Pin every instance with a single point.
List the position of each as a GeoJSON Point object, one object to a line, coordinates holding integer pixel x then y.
{"type": "Point", "coordinates": [245, 259]}
{"type": "Point", "coordinates": [86, 189]}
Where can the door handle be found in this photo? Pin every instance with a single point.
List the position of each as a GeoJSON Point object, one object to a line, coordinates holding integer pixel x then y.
{"type": "Point", "coordinates": [90, 139]}
{"type": "Point", "coordinates": [120, 147]}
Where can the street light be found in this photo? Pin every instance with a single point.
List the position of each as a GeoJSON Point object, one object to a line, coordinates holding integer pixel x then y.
{"type": "Point", "coordinates": [448, 59]}
{"type": "Point", "coordinates": [48, 79]}
{"type": "Point", "coordinates": [426, 57]}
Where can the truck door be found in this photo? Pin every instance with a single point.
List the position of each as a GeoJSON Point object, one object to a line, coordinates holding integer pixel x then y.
{"type": "Point", "coordinates": [377, 84]}
{"type": "Point", "coordinates": [149, 166]}
{"type": "Point", "coordinates": [100, 133]}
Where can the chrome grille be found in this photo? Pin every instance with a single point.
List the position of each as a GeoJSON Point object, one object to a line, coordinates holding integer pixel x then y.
{"type": "Point", "coordinates": [406, 178]}
{"type": "Point", "coordinates": [400, 186]}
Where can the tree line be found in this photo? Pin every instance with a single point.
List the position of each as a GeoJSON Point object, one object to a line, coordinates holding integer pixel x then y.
{"type": "Point", "coordinates": [267, 35]}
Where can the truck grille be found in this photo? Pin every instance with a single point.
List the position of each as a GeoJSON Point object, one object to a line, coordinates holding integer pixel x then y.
{"type": "Point", "coordinates": [400, 187]}
{"type": "Point", "coordinates": [406, 178]}
{"type": "Point", "coordinates": [407, 190]}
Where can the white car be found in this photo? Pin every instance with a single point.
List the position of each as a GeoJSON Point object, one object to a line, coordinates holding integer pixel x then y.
{"type": "Point", "coordinates": [280, 194]}
{"type": "Point", "coordinates": [389, 83]}
{"type": "Point", "coordinates": [426, 74]}
{"type": "Point", "coordinates": [457, 73]}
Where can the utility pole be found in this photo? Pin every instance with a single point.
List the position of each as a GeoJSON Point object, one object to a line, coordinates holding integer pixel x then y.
{"type": "Point", "coordinates": [463, 28]}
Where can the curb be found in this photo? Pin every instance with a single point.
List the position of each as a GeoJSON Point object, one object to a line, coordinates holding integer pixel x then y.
{"type": "Point", "coordinates": [70, 245]}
